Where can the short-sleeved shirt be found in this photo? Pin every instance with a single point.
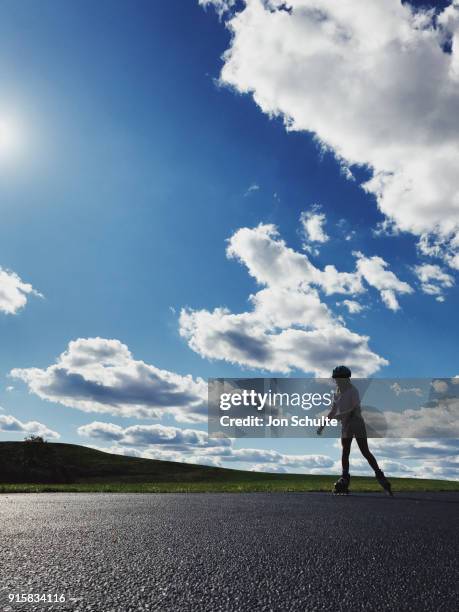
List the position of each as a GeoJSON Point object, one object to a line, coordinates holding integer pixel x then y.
{"type": "Point", "coordinates": [346, 408]}
{"type": "Point", "coordinates": [345, 402]}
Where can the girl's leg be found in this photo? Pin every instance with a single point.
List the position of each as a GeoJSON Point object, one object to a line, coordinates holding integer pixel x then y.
{"type": "Point", "coordinates": [363, 446]}
{"type": "Point", "coordinates": [346, 450]}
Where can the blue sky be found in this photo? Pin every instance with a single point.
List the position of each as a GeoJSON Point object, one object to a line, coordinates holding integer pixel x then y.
{"type": "Point", "coordinates": [133, 169]}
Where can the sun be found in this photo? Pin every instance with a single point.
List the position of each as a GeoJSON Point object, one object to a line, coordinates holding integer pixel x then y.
{"type": "Point", "coordinates": [9, 137]}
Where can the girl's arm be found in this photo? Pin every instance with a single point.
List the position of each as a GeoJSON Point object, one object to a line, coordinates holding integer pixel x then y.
{"type": "Point", "coordinates": [330, 415]}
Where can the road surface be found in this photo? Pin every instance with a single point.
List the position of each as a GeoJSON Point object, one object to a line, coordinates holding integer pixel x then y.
{"type": "Point", "coordinates": [225, 552]}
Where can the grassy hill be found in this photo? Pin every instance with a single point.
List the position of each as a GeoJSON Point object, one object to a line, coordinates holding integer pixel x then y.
{"type": "Point", "coordinates": [26, 467]}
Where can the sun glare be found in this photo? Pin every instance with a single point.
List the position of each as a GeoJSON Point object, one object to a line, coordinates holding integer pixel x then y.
{"type": "Point", "coordinates": [9, 137]}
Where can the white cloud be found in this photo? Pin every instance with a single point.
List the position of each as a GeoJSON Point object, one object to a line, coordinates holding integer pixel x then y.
{"type": "Point", "coordinates": [359, 467]}
{"type": "Point", "coordinates": [429, 458]}
{"type": "Point", "coordinates": [159, 453]}
{"type": "Point", "coordinates": [433, 279]}
{"type": "Point", "coordinates": [12, 424]}
{"type": "Point", "coordinates": [352, 306]}
{"type": "Point", "coordinates": [289, 327]}
{"type": "Point", "coordinates": [345, 230]}
{"type": "Point", "coordinates": [399, 390]}
{"type": "Point", "coordinates": [145, 435]}
{"type": "Point", "coordinates": [373, 270]}
{"type": "Point", "coordinates": [272, 263]}
{"type": "Point", "coordinates": [409, 457]}
{"type": "Point", "coordinates": [414, 449]}
{"type": "Point", "coordinates": [253, 187]}
{"type": "Point", "coordinates": [194, 446]}
{"type": "Point", "coordinates": [440, 386]}
{"type": "Point", "coordinates": [435, 420]}
{"type": "Point", "coordinates": [395, 468]}
{"type": "Point", "coordinates": [221, 6]}
{"type": "Point", "coordinates": [100, 375]}
{"type": "Point", "coordinates": [354, 74]}
{"type": "Point", "coordinates": [397, 457]}
{"type": "Point", "coordinates": [266, 456]}
{"type": "Point", "coordinates": [14, 292]}
{"type": "Point", "coordinates": [269, 468]}
{"type": "Point", "coordinates": [313, 222]}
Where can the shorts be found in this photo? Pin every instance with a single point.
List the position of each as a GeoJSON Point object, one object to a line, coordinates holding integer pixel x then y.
{"type": "Point", "coordinates": [353, 427]}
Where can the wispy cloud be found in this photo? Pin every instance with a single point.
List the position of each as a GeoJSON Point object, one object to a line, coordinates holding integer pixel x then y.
{"type": "Point", "coordinates": [253, 187]}
{"type": "Point", "coordinates": [374, 271]}
{"type": "Point", "coordinates": [313, 225]}
{"type": "Point", "coordinates": [352, 306]}
{"type": "Point", "coordinates": [14, 292]}
{"type": "Point", "coordinates": [433, 280]}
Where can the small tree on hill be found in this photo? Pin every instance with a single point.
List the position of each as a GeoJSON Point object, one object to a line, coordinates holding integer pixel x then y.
{"type": "Point", "coordinates": [33, 439]}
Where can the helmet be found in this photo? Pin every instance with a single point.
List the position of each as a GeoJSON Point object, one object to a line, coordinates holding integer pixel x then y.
{"type": "Point", "coordinates": [341, 372]}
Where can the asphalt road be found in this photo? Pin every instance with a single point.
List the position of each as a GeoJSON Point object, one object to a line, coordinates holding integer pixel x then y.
{"type": "Point", "coordinates": [215, 552]}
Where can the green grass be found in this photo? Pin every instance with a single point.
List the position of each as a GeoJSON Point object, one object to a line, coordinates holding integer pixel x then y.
{"type": "Point", "coordinates": [54, 467]}
{"type": "Point", "coordinates": [259, 483]}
